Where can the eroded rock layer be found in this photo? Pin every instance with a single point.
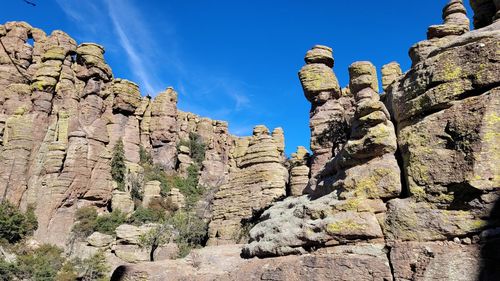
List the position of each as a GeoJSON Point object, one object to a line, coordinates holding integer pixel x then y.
{"type": "Point", "coordinates": [61, 114]}
{"type": "Point", "coordinates": [259, 179]}
{"type": "Point", "coordinates": [430, 195]}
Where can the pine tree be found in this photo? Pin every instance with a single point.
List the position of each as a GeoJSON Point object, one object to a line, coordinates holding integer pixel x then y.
{"type": "Point", "coordinates": [118, 167]}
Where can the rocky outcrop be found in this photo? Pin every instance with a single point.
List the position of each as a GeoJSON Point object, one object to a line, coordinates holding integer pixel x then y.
{"type": "Point", "coordinates": [218, 144]}
{"type": "Point", "coordinates": [441, 221]}
{"type": "Point", "coordinates": [455, 24]}
{"type": "Point", "coordinates": [61, 114]}
{"type": "Point", "coordinates": [259, 179]}
{"type": "Point", "coordinates": [330, 112]}
{"type": "Point", "coordinates": [365, 262]}
{"type": "Point", "coordinates": [365, 167]}
{"type": "Point", "coordinates": [399, 186]}
{"type": "Point", "coordinates": [362, 173]}
{"type": "Point", "coordinates": [299, 171]}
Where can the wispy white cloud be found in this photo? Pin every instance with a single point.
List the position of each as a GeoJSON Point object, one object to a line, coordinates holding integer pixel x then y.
{"type": "Point", "coordinates": [136, 62]}
{"type": "Point", "coordinates": [155, 64]}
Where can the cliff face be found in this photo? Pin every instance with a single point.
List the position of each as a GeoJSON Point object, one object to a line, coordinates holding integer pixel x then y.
{"type": "Point", "coordinates": [402, 185]}
{"type": "Point", "coordinates": [444, 112]}
{"type": "Point", "coordinates": [62, 112]}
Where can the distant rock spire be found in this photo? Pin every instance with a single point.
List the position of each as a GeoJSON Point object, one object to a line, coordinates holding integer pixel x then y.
{"type": "Point", "coordinates": [455, 19]}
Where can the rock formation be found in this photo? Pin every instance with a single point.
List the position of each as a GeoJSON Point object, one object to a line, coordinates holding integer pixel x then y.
{"type": "Point", "coordinates": [362, 173]}
{"type": "Point", "coordinates": [299, 171]}
{"type": "Point", "coordinates": [399, 186]}
{"type": "Point", "coordinates": [455, 24]}
{"type": "Point", "coordinates": [260, 178]}
{"type": "Point", "coordinates": [330, 112]}
{"type": "Point", "coordinates": [61, 114]}
{"type": "Point", "coordinates": [390, 73]}
{"type": "Point", "coordinates": [446, 110]}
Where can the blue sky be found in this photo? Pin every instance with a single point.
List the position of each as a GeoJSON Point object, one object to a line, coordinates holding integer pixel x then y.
{"type": "Point", "coordinates": [236, 60]}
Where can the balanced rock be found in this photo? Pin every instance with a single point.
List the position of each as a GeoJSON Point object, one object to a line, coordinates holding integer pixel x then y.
{"type": "Point", "coordinates": [330, 112]}
{"type": "Point", "coordinates": [366, 166]}
{"type": "Point", "coordinates": [455, 19]}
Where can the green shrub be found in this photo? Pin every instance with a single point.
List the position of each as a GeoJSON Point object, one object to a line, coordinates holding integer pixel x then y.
{"type": "Point", "coordinates": [109, 222]}
{"type": "Point", "coordinates": [7, 271]}
{"type": "Point", "coordinates": [154, 172]}
{"type": "Point", "coordinates": [93, 268]}
{"type": "Point", "coordinates": [41, 264]}
{"type": "Point", "coordinates": [89, 222]}
{"type": "Point", "coordinates": [118, 168]}
{"type": "Point", "coordinates": [196, 146]}
{"type": "Point", "coordinates": [14, 224]}
{"type": "Point", "coordinates": [136, 191]}
{"type": "Point", "coordinates": [147, 215]}
{"type": "Point", "coordinates": [191, 231]}
{"type": "Point", "coordinates": [47, 263]}
{"type": "Point", "coordinates": [67, 272]}
{"type": "Point", "coordinates": [86, 222]}
{"type": "Point", "coordinates": [144, 156]}
{"type": "Point", "coordinates": [154, 238]}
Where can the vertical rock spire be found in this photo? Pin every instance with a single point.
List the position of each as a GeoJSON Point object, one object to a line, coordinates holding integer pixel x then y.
{"type": "Point", "coordinates": [330, 110]}
{"type": "Point", "coordinates": [455, 21]}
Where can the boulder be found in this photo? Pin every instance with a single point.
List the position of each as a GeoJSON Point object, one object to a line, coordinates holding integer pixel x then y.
{"type": "Point", "coordinates": [98, 239]}
{"type": "Point", "coordinates": [122, 201]}
{"type": "Point", "coordinates": [130, 234]}
{"type": "Point", "coordinates": [152, 190]}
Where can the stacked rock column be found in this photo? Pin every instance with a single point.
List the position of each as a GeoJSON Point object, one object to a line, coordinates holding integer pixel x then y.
{"type": "Point", "coordinates": [330, 110]}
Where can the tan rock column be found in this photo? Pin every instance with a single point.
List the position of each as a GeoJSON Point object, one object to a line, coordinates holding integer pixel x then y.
{"type": "Point", "coordinates": [330, 110]}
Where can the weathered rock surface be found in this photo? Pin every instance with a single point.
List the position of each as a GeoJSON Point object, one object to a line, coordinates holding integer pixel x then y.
{"type": "Point", "coordinates": [365, 167]}
{"type": "Point", "coordinates": [445, 109]}
{"type": "Point", "coordinates": [362, 262]}
{"type": "Point", "coordinates": [435, 261]}
{"type": "Point", "coordinates": [259, 179]}
{"type": "Point", "coordinates": [152, 190]}
{"type": "Point", "coordinates": [62, 112]}
{"type": "Point", "coordinates": [330, 112]}
{"type": "Point", "coordinates": [299, 171]}
{"type": "Point", "coordinates": [98, 239]}
{"type": "Point", "coordinates": [485, 12]}
{"type": "Point", "coordinates": [417, 200]}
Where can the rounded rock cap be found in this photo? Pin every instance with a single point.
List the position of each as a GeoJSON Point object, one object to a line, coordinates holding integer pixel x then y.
{"type": "Point", "coordinates": [320, 54]}
{"type": "Point", "coordinates": [362, 74]}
